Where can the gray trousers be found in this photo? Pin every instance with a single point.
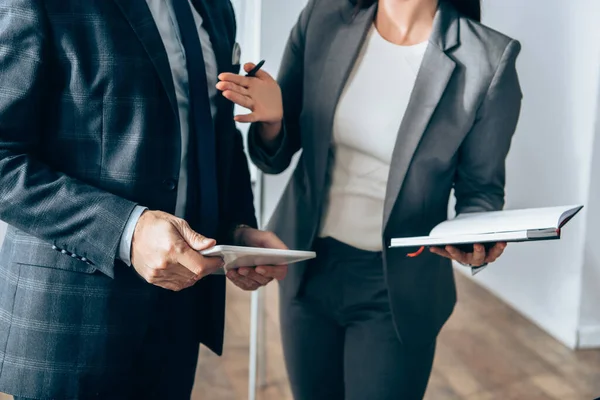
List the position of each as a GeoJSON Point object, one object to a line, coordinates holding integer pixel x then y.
{"type": "Point", "coordinates": [338, 334]}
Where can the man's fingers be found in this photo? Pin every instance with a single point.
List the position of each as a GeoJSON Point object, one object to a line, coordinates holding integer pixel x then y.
{"type": "Point", "coordinates": [167, 252]}
{"type": "Point", "coordinates": [272, 272]}
{"type": "Point", "coordinates": [241, 281]}
{"type": "Point", "coordinates": [200, 266]}
{"type": "Point", "coordinates": [180, 272]}
{"type": "Point", "coordinates": [237, 79]}
{"type": "Point", "coordinates": [250, 273]}
{"type": "Point", "coordinates": [194, 239]}
{"type": "Point", "coordinates": [210, 265]}
{"type": "Point", "coordinates": [174, 285]}
{"type": "Point", "coordinates": [173, 272]}
{"type": "Point", "coordinates": [187, 253]}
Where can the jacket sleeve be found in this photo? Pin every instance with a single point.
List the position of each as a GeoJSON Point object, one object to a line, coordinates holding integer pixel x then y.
{"type": "Point", "coordinates": [291, 77]}
{"type": "Point", "coordinates": [481, 172]}
{"type": "Point", "coordinates": [241, 210]}
{"type": "Point", "coordinates": [47, 204]}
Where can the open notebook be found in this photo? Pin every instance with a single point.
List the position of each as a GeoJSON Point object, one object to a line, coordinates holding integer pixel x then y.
{"type": "Point", "coordinates": [495, 226]}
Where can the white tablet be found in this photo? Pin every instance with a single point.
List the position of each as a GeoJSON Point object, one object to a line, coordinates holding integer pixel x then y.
{"type": "Point", "coordinates": [238, 256]}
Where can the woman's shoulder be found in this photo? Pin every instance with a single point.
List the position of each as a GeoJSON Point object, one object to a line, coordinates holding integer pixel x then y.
{"type": "Point", "coordinates": [347, 9]}
{"type": "Point", "coordinates": [476, 38]}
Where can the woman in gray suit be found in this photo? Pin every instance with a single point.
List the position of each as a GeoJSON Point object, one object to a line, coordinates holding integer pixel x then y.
{"type": "Point", "coordinates": [394, 103]}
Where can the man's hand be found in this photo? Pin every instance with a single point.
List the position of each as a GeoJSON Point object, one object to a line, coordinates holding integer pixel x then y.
{"type": "Point", "coordinates": [253, 278]}
{"type": "Point", "coordinates": [475, 259]}
{"type": "Point", "coordinates": [164, 251]}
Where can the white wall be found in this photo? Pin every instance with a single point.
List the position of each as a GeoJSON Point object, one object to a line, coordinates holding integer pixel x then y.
{"type": "Point", "coordinates": [551, 160]}
{"type": "Point", "coordinates": [589, 324]}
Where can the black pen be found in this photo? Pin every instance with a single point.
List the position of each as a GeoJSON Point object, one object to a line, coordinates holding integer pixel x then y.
{"type": "Point", "coordinates": [256, 69]}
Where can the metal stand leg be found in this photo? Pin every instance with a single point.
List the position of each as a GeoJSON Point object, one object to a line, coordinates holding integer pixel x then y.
{"type": "Point", "coordinates": [261, 348]}
{"type": "Point", "coordinates": [252, 20]}
{"type": "Point", "coordinates": [252, 367]}
{"type": "Point", "coordinates": [256, 368]}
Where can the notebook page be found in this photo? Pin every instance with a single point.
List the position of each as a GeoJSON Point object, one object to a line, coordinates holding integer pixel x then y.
{"type": "Point", "coordinates": [503, 221]}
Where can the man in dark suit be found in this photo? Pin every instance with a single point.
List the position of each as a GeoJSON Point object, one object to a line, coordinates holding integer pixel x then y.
{"type": "Point", "coordinates": [115, 151]}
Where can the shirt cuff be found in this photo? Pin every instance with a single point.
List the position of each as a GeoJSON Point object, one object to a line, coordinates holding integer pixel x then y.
{"type": "Point", "coordinates": [127, 236]}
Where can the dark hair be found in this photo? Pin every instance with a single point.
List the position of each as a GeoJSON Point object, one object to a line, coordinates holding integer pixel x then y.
{"type": "Point", "coordinates": [469, 8]}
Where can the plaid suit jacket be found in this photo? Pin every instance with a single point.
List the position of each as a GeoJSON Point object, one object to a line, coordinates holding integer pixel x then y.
{"type": "Point", "coordinates": [88, 129]}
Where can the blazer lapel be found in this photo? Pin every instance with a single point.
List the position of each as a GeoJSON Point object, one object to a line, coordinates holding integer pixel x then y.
{"type": "Point", "coordinates": [140, 18]}
{"type": "Point", "coordinates": [344, 51]}
{"type": "Point", "coordinates": [216, 30]}
{"type": "Point", "coordinates": [432, 79]}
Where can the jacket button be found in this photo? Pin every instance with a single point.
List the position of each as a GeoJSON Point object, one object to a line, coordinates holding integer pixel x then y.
{"type": "Point", "coordinates": [170, 184]}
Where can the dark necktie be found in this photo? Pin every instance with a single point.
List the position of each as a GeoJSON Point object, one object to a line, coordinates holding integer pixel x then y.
{"type": "Point", "coordinates": [202, 207]}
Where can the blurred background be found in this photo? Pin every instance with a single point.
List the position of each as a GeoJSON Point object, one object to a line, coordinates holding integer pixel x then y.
{"type": "Point", "coordinates": [527, 327]}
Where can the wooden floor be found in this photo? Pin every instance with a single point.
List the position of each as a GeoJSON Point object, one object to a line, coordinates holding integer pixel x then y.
{"type": "Point", "coordinates": [486, 351]}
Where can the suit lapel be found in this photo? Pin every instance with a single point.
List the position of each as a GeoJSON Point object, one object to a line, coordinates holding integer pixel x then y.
{"type": "Point", "coordinates": [212, 22]}
{"type": "Point", "coordinates": [141, 21]}
{"type": "Point", "coordinates": [432, 79]}
{"type": "Point", "coordinates": [216, 30]}
{"type": "Point", "coordinates": [343, 53]}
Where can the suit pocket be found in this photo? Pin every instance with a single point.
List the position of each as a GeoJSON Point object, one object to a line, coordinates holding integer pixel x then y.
{"type": "Point", "coordinates": [28, 250]}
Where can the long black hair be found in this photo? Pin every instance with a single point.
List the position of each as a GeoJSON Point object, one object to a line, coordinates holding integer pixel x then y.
{"type": "Point", "coordinates": [469, 8]}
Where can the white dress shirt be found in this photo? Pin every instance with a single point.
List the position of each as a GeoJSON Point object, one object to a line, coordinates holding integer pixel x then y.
{"type": "Point", "coordinates": [164, 17]}
{"type": "Point", "coordinates": [365, 129]}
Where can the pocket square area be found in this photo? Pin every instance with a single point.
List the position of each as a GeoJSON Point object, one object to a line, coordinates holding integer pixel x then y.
{"type": "Point", "coordinates": [236, 54]}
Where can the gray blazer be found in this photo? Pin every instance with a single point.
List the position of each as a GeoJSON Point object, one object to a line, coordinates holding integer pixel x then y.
{"type": "Point", "coordinates": [455, 135]}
